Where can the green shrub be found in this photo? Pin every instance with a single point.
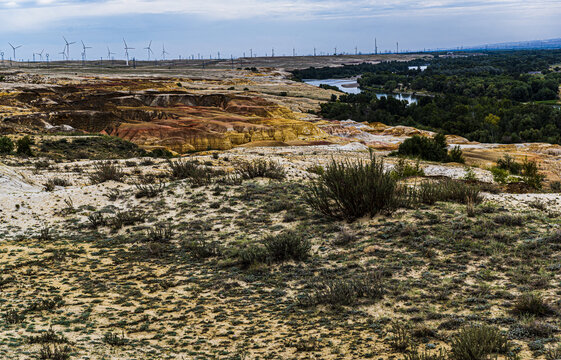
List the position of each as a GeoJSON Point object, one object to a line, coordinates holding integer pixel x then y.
{"type": "Point", "coordinates": [531, 174]}
{"type": "Point", "coordinates": [52, 183]}
{"type": "Point", "coordinates": [509, 164]}
{"type": "Point", "coordinates": [191, 170]}
{"type": "Point", "coordinates": [401, 337]}
{"type": "Point", "coordinates": [553, 353]}
{"type": "Point", "coordinates": [114, 339]}
{"type": "Point", "coordinates": [509, 220]}
{"type": "Point", "coordinates": [252, 255]}
{"type": "Point", "coordinates": [415, 355]}
{"type": "Point", "coordinates": [431, 149]}
{"type": "Point", "coordinates": [46, 337]}
{"type": "Point", "coordinates": [429, 192]}
{"type": "Point", "coordinates": [55, 352]}
{"type": "Point", "coordinates": [456, 155]}
{"type": "Point", "coordinates": [260, 168]}
{"type": "Point", "coordinates": [404, 169]}
{"type": "Point", "coordinates": [289, 245]}
{"type": "Point", "coordinates": [106, 171]}
{"type": "Point", "coordinates": [159, 233]}
{"type": "Point", "coordinates": [200, 248]}
{"type": "Point", "coordinates": [341, 292]}
{"type": "Point", "coordinates": [500, 175]}
{"type": "Point", "coordinates": [6, 145]}
{"type": "Point", "coordinates": [555, 186]}
{"type": "Point", "coordinates": [532, 304]}
{"type": "Point", "coordinates": [160, 153]}
{"type": "Point", "coordinates": [350, 190]}
{"type": "Point", "coordinates": [24, 146]}
{"type": "Point", "coordinates": [148, 190]}
{"type": "Point", "coordinates": [477, 343]}
{"type": "Point", "coordinates": [470, 174]}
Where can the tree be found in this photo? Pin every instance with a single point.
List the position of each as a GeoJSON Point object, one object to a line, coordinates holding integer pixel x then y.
{"type": "Point", "coordinates": [24, 146]}
{"type": "Point", "coordinates": [6, 145]}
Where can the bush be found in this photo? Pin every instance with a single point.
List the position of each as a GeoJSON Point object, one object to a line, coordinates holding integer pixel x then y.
{"type": "Point", "coordinates": [24, 146]}
{"type": "Point", "coordinates": [200, 248]}
{"type": "Point", "coordinates": [430, 192]}
{"type": "Point", "coordinates": [531, 174]}
{"type": "Point", "coordinates": [160, 234]}
{"type": "Point", "coordinates": [430, 149]}
{"type": "Point", "coordinates": [500, 175]}
{"type": "Point", "coordinates": [346, 292]}
{"type": "Point", "coordinates": [532, 304]}
{"type": "Point", "coordinates": [46, 337]}
{"type": "Point", "coordinates": [252, 255]}
{"type": "Point", "coordinates": [509, 220]}
{"type": "Point", "coordinates": [404, 169]}
{"type": "Point", "coordinates": [456, 155]}
{"type": "Point", "coordinates": [6, 145]}
{"type": "Point", "coordinates": [260, 168]}
{"type": "Point", "coordinates": [555, 186]}
{"type": "Point", "coordinates": [52, 183]}
{"type": "Point", "coordinates": [191, 170]}
{"type": "Point", "coordinates": [160, 153]}
{"type": "Point", "coordinates": [509, 164]}
{"type": "Point", "coordinates": [148, 190]}
{"type": "Point", "coordinates": [350, 190]}
{"type": "Point", "coordinates": [288, 245]}
{"type": "Point", "coordinates": [441, 355]}
{"type": "Point", "coordinates": [106, 171]}
{"type": "Point", "coordinates": [126, 218]}
{"type": "Point", "coordinates": [114, 339]}
{"type": "Point", "coordinates": [55, 352]}
{"type": "Point", "coordinates": [477, 343]}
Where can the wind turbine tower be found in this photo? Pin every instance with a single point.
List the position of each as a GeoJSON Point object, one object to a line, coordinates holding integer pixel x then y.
{"type": "Point", "coordinates": [375, 46]}
{"type": "Point", "coordinates": [164, 52]}
{"type": "Point", "coordinates": [149, 48]}
{"type": "Point", "coordinates": [68, 47]}
{"type": "Point", "coordinates": [14, 48]}
{"type": "Point", "coordinates": [109, 53]}
{"type": "Point", "coordinates": [127, 48]}
{"type": "Point", "coordinates": [84, 47]}
{"type": "Point", "coordinates": [63, 53]}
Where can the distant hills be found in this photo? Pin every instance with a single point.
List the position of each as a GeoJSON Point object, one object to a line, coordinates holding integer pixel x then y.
{"type": "Point", "coordinates": [518, 45]}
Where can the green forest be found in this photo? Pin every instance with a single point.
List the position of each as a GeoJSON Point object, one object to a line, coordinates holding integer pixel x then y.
{"type": "Point", "coordinates": [505, 97]}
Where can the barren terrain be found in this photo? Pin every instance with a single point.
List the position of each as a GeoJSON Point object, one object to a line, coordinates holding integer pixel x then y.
{"type": "Point", "coordinates": [154, 266]}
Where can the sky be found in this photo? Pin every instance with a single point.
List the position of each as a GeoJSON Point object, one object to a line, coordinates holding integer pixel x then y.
{"type": "Point", "coordinates": [232, 27]}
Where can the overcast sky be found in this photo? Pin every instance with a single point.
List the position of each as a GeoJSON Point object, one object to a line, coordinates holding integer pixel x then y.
{"type": "Point", "coordinates": [190, 27]}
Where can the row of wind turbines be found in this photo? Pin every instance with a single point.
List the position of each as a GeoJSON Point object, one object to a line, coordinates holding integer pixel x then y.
{"type": "Point", "coordinates": [66, 51]}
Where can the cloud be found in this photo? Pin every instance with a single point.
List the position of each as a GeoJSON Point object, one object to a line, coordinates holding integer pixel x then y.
{"type": "Point", "coordinates": [37, 14]}
{"type": "Point", "coordinates": [34, 15]}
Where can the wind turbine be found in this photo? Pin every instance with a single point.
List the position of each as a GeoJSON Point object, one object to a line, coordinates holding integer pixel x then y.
{"type": "Point", "coordinates": [68, 47]}
{"type": "Point", "coordinates": [14, 48]}
{"type": "Point", "coordinates": [149, 48]}
{"type": "Point", "coordinates": [164, 52]}
{"type": "Point", "coordinates": [41, 54]}
{"type": "Point", "coordinates": [63, 53]}
{"type": "Point", "coordinates": [109, 53]}
{"type": "Point", "coordinates": [85, 48]}
{"type": "Point", "coordinates": [127, 48]}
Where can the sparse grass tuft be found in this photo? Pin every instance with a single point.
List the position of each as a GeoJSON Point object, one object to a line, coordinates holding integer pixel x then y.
{"type": "Point", "coordinates": [106, 171]}
{"type": "Point", "coordinates": [260, 168]}
{"type": "Point", "coordinates": [346, 292]}
{"type": "Point", "coordinates": [532, 304]}
{"type": "Point", "coordinates": [55, 352]}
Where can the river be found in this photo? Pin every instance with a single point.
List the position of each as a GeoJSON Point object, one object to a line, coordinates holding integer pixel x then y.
{"type": "Point", "coordinates": [350, 86]}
